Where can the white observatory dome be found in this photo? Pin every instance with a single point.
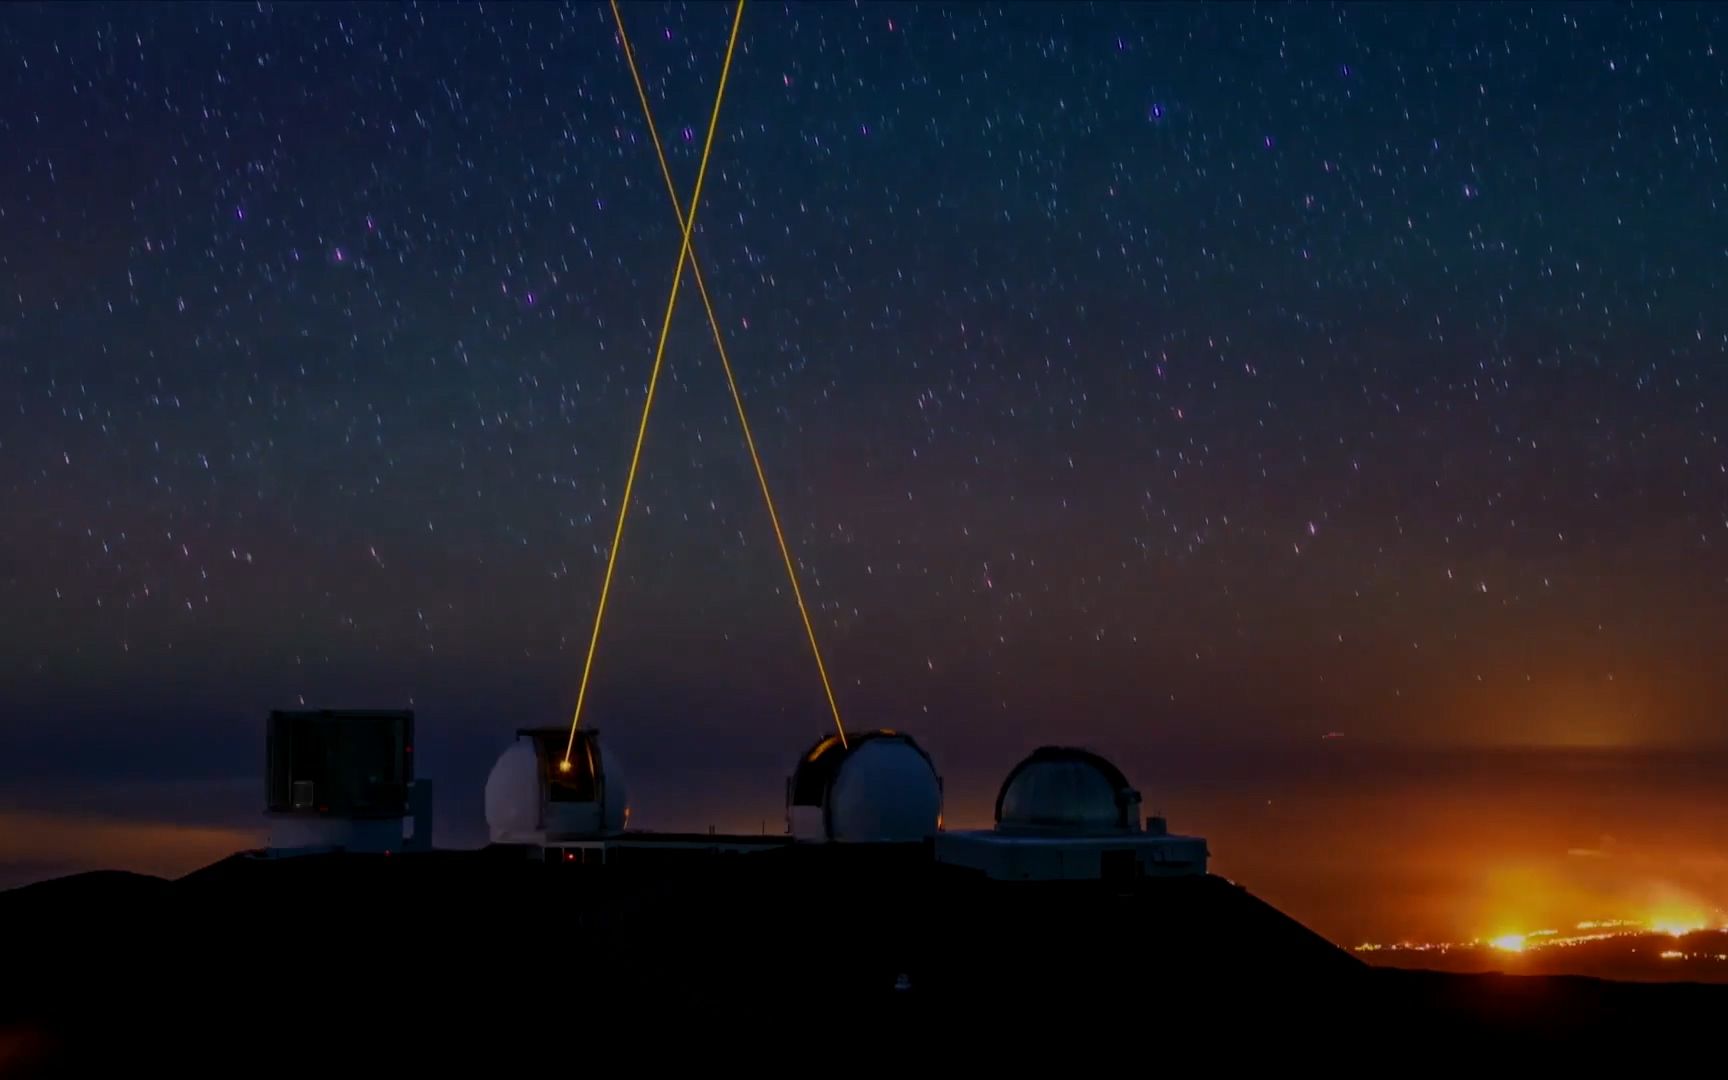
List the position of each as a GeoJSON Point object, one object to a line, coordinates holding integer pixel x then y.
{"type": "Point", "coordinates": [531, 798]}
{"type": "Point", "coordinates": [880, 789]}
{"type": "Point", "coordinates": [1067, 790]}
{"type": "Point", "coordinates": [513, 794]}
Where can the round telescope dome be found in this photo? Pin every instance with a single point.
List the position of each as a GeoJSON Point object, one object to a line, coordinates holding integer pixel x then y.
{"type": "Point", "coordinates": [882, 788]}
{"type": "Point", "coordinates": [531, 797]}
{"type": "Point", "coordinates": [1064, 789]}
{"type": "Point", "coordinates": [513, 794]}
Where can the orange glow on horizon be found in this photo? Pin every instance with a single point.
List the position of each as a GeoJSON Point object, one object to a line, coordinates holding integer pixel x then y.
{"type": "Point", "coordinates": [1677, 925]}
{"type": "Point", "coordinates": [1583, 932]}
{"type": "Point", "coordinates": [1514, 943]}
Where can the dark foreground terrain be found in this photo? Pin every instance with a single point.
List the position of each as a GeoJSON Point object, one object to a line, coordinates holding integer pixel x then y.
{"type": "Point", "coordinates": [308, 962]}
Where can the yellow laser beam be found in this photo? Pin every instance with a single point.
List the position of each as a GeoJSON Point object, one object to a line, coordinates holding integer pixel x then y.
{"type": "Point", "coordinates": [653, 381]}
{"type": "Point", "coordinates": [726, 365]}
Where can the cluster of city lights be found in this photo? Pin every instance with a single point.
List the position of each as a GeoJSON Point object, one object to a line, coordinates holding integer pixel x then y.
{"type": "Point", "coordinates": [1581, 933]}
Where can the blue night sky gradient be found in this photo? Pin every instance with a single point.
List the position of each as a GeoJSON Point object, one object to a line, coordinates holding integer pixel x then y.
{"type": "Point", "coordinates": [1140, 375]}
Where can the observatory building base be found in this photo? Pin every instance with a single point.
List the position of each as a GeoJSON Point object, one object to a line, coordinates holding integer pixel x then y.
{"type": "Point", "coordinates": [638, 847]}
{"type": "Point", "coordinates": [1073, 858]}
{"type": "Point", "coordinates": [300, 835]}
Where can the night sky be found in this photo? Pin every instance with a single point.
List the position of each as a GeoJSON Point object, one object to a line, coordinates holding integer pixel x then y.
{"type": "Point", "coordinates": [1190, 382]}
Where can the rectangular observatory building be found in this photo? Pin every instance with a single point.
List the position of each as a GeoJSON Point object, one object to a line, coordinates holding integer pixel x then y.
{"type": "Point", "coordinates": [338, 779]}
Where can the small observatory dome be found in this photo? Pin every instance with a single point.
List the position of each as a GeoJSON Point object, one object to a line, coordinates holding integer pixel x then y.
{"type": "Point", "coordinates": [1066, 814]}
{"type": "Point", "coordinates": [1063, 789]}
{"type": "Point", "coordinates": [531, 798]}
{"type": "Point", "coordinates": [882, 788]}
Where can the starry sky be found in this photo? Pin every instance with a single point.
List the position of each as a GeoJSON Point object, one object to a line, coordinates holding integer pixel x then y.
{"type": "Point", "coordinates": [1173, 379]}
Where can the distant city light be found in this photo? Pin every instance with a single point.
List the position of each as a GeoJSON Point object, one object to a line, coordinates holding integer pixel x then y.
{"type": "Point", "coordinates": [1586, 931]}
